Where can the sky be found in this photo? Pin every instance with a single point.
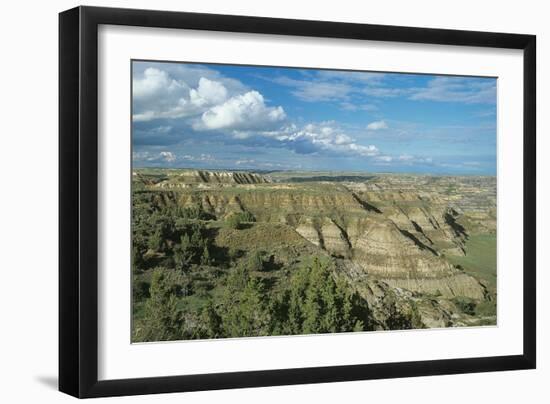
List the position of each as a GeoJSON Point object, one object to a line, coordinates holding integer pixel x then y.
{"type": "Point", "coordinates": [211, 116]}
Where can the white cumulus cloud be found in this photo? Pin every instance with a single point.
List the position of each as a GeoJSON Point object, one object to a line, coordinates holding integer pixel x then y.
{"type": "Point", "coordinates": [246, 111]}
{"type": "Point", "coordinates": [149, 157]}
{"type": "Point", "coordinates": [209, 92]}
{"type": "Point", "coordinates": [155, 81]}
{"type": "Point", "coordinates": [324, 137]}
{"type": "Point", "coordinates": [208, 103]}
{"type": "Point", "coordinates": [377, 125]}
{"type": "Point", "coordinates": [167, 156]}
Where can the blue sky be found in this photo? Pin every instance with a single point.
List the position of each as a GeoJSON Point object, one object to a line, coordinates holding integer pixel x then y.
{"type": "Point", "coordinates": [275, 118]}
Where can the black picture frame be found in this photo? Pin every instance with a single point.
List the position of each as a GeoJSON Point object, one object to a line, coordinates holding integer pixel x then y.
{"type": "Point", "coordinates": [78, 201]}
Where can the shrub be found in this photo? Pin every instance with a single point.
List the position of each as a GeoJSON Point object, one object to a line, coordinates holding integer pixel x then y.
{"type": "Point", "coordinates": [255, 262]}
{"type": "Point", "coordinates": [205, 257]}
{"type": "Point", "coordinates": [466, 305]}
{"type": "Point", "coordinates": [140, 290]}
{"type": "Point", "coordinates": [161, 320]}
{"type": "Point", "coordinates": [236, 220]}
{"type": "Point", "coordinates": [138, 262]}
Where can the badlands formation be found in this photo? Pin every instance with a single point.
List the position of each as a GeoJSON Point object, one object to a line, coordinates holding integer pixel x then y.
{"type": "Point", "coordinates": [396, 239]}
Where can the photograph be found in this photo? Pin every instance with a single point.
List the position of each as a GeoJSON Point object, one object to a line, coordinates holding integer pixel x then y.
{"type": "Point", "coordinates": [274, 201]}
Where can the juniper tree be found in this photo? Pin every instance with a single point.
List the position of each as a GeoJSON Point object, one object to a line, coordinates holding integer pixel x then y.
{"type": "Point", "coordinates": [161, 320]}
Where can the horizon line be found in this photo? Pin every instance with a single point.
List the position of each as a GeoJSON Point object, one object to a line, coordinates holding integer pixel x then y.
{"type": "Point", "coordinates": [316, 171]}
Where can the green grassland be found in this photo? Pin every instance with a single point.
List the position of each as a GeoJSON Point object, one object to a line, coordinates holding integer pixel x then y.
{"type": "Point", "coordinates": [481, 262]}
{"type": "Point", "coordinates": [481, 259]}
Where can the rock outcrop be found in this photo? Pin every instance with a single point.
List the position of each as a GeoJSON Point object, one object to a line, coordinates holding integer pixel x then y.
{"type": "Point", "coordinates": [193, 177]}
{"type": "Point", "coordinates": [455, 285]}
{"type": "Point", "coordinates": [335, 240]}
{"type": "Point", "coordinates": [308, 231]}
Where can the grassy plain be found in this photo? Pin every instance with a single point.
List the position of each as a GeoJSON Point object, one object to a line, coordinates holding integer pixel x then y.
{"type": "Point", "coordinates": [481, 259]}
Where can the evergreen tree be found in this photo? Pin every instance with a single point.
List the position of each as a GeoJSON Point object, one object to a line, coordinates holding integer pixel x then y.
{"type": "Point", "coordinates": [246, 314]}
{"type": "Point", "coordinates": [211, 322]}
{"type": "Point", "coordinates": [316, 303]}
{"type": "Point", "coordinates": [244, 310]}
{"type": "Point", "coordinates": [138, 262]}
{"type": "Point", "coordinates": [183, 253]}
{"type": "Point", "coordinates": [205, 257]}
{"type": "Point", "coordinates": [156, 240]}
{"type": "Point", "coordinates": [161, 320]}
{"type": "Point", "coordinates": [196, 236]}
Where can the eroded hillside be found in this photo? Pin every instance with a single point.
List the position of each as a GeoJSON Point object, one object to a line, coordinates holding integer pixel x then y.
{"type": "Point", "coordinates": [395, 240]}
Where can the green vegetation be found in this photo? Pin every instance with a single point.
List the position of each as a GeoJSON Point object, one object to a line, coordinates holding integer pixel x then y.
{"type": "Point", "coordinates": [236, 220]}
{"type": "Point", "coordinates": [244, 303]}
{"type": "Point", "coordinates": [161, 320]}
{"type": "Point", "coordinates": [193, 279]}
{"type": "Point", "coordinates": [481, 262]}
{"type": "Point", "coordinates": [486, 309]}
{"type": "Point", "coordinates": [467, 305]}
{"type": "Point", "coordinates": [314, 302]}
{"type": "Point", "coordinates": [481, 258]}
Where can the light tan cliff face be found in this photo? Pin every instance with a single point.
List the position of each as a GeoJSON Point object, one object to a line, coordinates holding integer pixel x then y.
{"type": "Point", "coordinates": [308, 231]}
{"type": "Point", "coordinates": [389, 254]}
{"type": "Point", "coordinates": [454, 285]}
{"type": "Point", "coordinates": [334, 239]}
{"type": "Point", "coordinates": [327, 235]}
{"type": "Point", "coordinates": [197, 177]}
{"type": "Point", "coordinates": [272, 205]}
{"type": "Point", "coordinates": [385, 250]}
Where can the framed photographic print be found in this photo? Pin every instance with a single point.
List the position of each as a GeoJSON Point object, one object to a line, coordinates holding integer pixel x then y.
{"type": "Point", "coordinates": [251, 201]}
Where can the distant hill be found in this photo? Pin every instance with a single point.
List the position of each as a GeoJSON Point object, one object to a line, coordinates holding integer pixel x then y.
{"type": "Point", "coordinates": [183, 177]}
